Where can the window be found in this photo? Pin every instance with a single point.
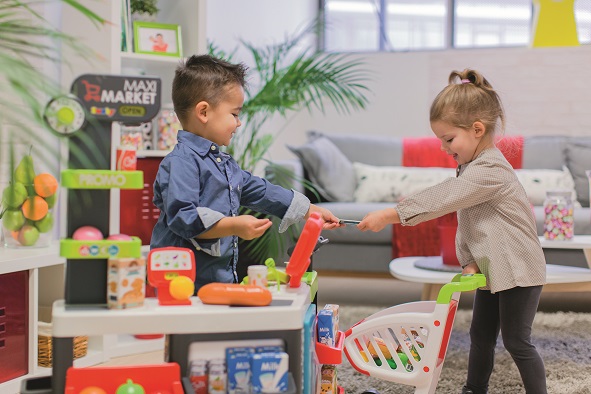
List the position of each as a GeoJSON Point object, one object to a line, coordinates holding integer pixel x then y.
{"type": "Point", "coordinates": [407, 25]}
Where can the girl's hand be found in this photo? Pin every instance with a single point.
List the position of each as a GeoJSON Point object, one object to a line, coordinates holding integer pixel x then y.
{"type": "Point", "coordinates": [330, 220]}
{"type": "Point", "coordinates": [376, 221]}
{"type": "Point", "coordinates": [471, 268]}
{"type": "Point", "coordinates": [249, 227]}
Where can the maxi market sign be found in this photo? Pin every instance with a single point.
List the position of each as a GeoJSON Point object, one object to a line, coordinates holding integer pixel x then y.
{"type": "Point", "coordinates": [116, 98]}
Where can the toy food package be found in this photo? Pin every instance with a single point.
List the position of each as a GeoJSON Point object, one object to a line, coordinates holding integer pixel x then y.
{"type": "Point", "coordinates": [126, 283]}
{"type": "Point", "coordinates": [238, 369]}
{"type": "Point", "coordinates": [198, 376]}
{"type": "Point", "coordinates": [325, 327]}
{"type": "Point", "coordinates": [138, 136]}
{"type": "Point", "coordinates": [335, 315]}
{"type": "Point", "coordinates": [269, 372]}
{"type": "Point", "coordinates": [328, 380]}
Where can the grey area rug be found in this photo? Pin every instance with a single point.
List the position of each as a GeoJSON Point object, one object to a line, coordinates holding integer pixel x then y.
{"type": "Point", "coordinates": [563, 340]}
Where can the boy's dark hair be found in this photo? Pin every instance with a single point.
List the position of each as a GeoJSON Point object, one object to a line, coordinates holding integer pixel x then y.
{"type": "Point", "coordinates": [203, 78]}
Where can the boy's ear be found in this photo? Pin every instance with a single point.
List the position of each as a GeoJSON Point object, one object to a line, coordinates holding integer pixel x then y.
{"type": "Point", "coordinates": [479, 128]}
{"type": "Point", "coordinates": [201, 109]}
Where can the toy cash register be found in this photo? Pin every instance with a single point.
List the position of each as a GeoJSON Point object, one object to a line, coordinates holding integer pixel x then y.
{"type": "Point", "coordinates": [171, 271]}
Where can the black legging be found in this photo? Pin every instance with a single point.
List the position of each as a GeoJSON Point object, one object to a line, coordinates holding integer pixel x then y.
{"type": "Point", "coordinates": [512, 312]}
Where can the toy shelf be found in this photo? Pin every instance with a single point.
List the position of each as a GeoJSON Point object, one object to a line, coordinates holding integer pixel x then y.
{"type": "Point", "coordinates": [331, 354]}
{"type": "Point", "coordinates": [100, 249]}
{"type": "Point", "coordinates": [102, 179]}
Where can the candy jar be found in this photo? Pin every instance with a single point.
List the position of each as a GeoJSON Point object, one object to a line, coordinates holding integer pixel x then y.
{"type": "Point", "coordinates": [559, 219]}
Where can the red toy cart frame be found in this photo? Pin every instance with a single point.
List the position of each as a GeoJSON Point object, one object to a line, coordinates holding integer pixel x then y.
{"type": "Point", "coordinates": [407, 343]}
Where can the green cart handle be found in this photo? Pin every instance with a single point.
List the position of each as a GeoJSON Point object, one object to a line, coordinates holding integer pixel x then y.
{"type": "Point", "coordinates": [460, 283]}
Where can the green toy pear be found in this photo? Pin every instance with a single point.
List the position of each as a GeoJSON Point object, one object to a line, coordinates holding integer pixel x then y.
{"type": "Point", "coordinates": [14, 195]}
{"type": "Point", "coordinates": [25, 171]}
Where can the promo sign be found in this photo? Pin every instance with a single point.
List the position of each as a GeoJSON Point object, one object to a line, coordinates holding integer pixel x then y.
{"type": "Point", "coordinates": [116, 98]}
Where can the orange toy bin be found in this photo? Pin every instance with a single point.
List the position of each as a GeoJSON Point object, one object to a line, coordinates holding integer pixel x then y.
{"type": "Point", "coordinates": [163, 378]}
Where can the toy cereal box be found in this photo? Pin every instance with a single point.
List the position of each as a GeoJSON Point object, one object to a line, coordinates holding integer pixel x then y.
{"type": "Point", "coordinates": [126, 283]}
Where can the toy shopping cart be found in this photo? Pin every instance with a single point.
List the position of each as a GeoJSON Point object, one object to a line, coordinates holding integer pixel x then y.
{"type": "Point", "coordinates": [407, 343]}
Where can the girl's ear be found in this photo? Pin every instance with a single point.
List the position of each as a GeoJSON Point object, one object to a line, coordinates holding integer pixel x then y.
{"type": "Point", "coordinates": [479, 129]}
{"type": "Point", "coordinates": [200, 111]}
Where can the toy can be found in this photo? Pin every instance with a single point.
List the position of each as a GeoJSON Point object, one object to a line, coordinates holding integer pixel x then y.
{"type": "Point", "coordinates": [126, 159]}
{"type": "Point", "coordinates": [257, 275]}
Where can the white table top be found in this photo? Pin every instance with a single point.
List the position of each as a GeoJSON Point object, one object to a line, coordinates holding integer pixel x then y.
{"type": "Point", "coordinates": [578, 242]}
{"type": "Point", "coordinates": [403, 268]}
{"type": "Point", "coordinates": [196, 318]}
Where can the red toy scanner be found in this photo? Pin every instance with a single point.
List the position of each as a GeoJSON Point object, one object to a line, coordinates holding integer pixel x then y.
{"type": "Point", "coordinates": [300, 258]}
{"type": "Point", "coordinates": [171, 271]}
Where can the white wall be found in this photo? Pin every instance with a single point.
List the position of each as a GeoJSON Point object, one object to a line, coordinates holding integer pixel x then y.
{"type": "Point", "coordinates": [544, 90]}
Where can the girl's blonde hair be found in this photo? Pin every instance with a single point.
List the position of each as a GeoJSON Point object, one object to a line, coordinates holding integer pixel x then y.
{"type": "Point", "coordinates": [468, 98]}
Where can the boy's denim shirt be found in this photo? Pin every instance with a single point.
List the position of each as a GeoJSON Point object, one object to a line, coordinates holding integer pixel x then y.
{"type": "Point", "coordinates": [196, 186]}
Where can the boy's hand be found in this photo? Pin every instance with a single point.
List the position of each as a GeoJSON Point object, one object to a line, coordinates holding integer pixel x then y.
{"type": "Point", "coordinates": [376, 221]}
{"type": "Point", "coordinates": [249, 227]}
{"type": "Point", "coordinates": [330, 220]}
{"type": "Point", "coordinates": [471, 268]}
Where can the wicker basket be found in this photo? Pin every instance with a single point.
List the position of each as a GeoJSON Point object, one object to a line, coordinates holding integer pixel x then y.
{"type": "Point", "coordinates": [44, 340]}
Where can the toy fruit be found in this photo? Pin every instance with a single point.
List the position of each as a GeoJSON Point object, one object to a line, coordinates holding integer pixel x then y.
{"type": "Point", "coordinates": [87, 233]}
{"type": "Point", "coordinates": [119, 237]}
{"type": "Point", "coordinates": [92, 390]}
{"type": "Point", "coordinates": [14, 195]}
{"type": "Point", "coordinates": [28, 235]}
{"type": "Point", "coordinates": [130, 388]}
{"type": "Point", "coordinates": [182, 287]}
{"type": "Point", "coordinates": [51, 200]}
{"type": "Point", "coordinates": [25, 171]}
{"type": "Point", "coordinates": [35, 208]}
{"type": "Point", "coordinates": [45, 184]}
{"type": "Point", "coordinates": [13, 220]}
{"type": "Point", "coordinates": [46, 224]}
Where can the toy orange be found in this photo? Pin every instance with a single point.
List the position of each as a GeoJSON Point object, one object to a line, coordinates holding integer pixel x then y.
{"type": "Point", "coordinates": [35, 208]}
{"type": "Point", "coordinates": [45, 184]}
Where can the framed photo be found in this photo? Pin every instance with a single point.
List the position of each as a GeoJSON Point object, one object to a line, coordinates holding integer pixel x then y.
{"type": "Point", "coordinates": [157, 38]}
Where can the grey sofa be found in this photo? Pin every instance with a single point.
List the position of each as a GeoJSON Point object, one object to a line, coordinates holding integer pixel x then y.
{"type": "Point", "coordinates": [327, 159]}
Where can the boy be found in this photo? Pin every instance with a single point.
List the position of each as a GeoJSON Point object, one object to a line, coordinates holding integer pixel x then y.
{"type": "Point", "coordinates": [199, 189]}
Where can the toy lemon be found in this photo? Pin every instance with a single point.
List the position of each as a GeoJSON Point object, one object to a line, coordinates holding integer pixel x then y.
{"type": "Point", "coordinates": [181, 287]}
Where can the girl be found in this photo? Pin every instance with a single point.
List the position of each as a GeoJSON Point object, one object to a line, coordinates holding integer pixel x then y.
{"type": "Point", "coordinates": [496, 228]}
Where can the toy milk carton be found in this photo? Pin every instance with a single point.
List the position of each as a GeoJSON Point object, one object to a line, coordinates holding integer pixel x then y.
{"type": "Point", "coordinates": [238, 369]}
{"type": "Point", "coordinates": [325, 327]}
{"type": "Point", "coordinates": [269, 372]}
{"type": "Point", "coordinates": [126, 283]}
{"type": "Point", "coordinates": [335, 315]}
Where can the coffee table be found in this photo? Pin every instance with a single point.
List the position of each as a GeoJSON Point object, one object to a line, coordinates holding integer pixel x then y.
{"type": "Point", "coordinates": [559, 278]}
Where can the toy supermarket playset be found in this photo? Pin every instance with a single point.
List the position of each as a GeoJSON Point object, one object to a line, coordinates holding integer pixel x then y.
{"type": "Point", "coordinates": [264, 335]}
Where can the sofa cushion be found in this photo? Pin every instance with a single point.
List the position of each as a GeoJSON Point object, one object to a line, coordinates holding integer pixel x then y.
{"type": "Point", "coordinates": [392, 184]}
{"type": "Point", "coordinates": [330, 171]}
{"type": "Point", "coordinates": [544, 152]}
{"type": "Point", "coordinates": [368, 149]}
{"type": "Point", "coordinates": [537, 182]}
{"type": "Point", "coordinates": [578, 156]}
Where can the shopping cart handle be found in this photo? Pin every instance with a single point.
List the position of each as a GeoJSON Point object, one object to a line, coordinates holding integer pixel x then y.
{"type": "Point", "coordinates": [460, 283]}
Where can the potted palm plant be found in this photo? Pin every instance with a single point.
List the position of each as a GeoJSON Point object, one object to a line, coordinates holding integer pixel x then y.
{"type": "Point", "coordinates": [289, 80]}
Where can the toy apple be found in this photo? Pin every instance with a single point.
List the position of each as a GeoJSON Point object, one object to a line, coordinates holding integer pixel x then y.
{"type": "Point", "coordinates": [130, 388]}
{"type": "Point", "coordinates": [13, 220]}
{"type": "Point", "coordinates": [46, 224]}
{"type": "Point", "coordinates": [119, 237]}
{"type": "Point", "coordinates": [28, 235]}
{"type": "Point", "coordinates": [87, 233]}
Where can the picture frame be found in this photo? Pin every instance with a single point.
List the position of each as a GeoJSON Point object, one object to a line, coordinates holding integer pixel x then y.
{"type": "Point", "coordinates": [157, 39]}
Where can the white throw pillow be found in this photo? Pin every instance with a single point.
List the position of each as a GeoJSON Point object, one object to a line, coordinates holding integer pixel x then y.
{"type": "Point", "coordinates": [392, 184]}
{"type": "Point", "coordinates": [537, 182]}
